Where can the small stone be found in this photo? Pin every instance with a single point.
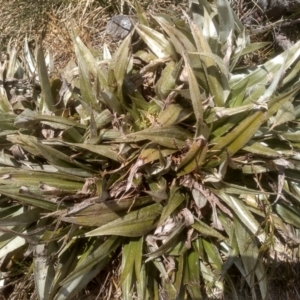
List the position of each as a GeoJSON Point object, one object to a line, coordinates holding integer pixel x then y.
{"type": "Point", "coordinates": [119, 27]}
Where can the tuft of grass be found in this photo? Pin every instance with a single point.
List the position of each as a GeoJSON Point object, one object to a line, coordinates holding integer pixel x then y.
{"type": "Point", "coordinates": [160, 169]}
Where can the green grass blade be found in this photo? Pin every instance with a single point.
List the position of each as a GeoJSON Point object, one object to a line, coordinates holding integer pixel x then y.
{"type": "Point", "coordinates": [251, 261]}
{"type": "Point", "coordinates": [226, 20]}
{"type": "Point", "coordinates": [156, 41]}
{"type": "Point", "coordinates": [43, 270]}
{"type": "Point", "coordinates": [94, 257]}
{"type": "Point", "coordinates": [193, 272]}
{"type": "Point", "coordinates": [136, 223]}
{"type": "Point", "coordinates": [49, 101]}
{"type": "Point", "coordinates": [196, 95]}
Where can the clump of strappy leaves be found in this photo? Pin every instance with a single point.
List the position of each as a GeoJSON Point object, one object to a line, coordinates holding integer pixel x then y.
{"type": "Point", "coordinates": [166, 152]}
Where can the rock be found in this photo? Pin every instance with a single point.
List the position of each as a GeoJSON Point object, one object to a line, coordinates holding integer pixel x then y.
{"type": "Point", "coordinates": [119, 27]}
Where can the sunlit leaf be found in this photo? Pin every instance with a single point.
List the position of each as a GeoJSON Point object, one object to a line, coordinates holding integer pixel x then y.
{"type": "Point", "coordinates": [156, 41]}
{"type": "Point", "coordinates": [136, 223]}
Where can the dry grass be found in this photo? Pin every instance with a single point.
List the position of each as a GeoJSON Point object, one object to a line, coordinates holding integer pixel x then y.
{"type": "Point", "coordinates": [52, 20]}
